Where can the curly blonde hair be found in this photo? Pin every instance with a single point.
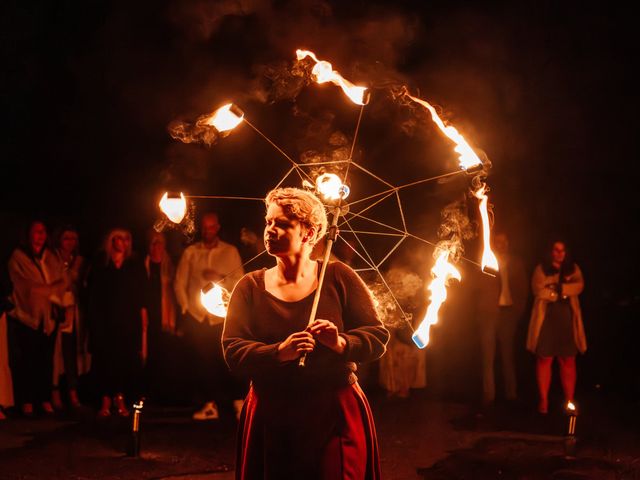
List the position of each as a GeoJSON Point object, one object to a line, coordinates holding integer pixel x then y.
{"type": "Point", "coordinates": [303, 206]}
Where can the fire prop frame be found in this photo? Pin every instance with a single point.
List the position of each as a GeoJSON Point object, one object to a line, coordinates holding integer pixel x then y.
{"type": "Point", "coordinates": [229, 116]}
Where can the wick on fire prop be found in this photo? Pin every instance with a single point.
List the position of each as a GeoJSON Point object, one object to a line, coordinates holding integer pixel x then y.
{"type": "Point", "coordinates": [334, 190]}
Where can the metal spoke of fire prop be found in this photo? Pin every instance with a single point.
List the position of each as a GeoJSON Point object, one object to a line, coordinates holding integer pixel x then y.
{"type": "Point", "coordinates": [334, 191]}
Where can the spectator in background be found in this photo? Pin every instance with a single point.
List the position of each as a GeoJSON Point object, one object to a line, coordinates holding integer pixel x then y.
{"type": "Point", "coordinates": [71, 357]}
{"type": "Point", "coordinates": [500, 305]}
{"type": "Point", "coordinates": [209, 260]}
{"type": "Point", "coordinates": [161, 307]}
{"type": "Point", "coordinates": [38, 287]}
{"type": "Point", "coordinates": [117, 319]}
{"type": "Point", "coordinates": [556, 328]}
{"type": "Point", "coordinates": [6, 382]}
{"type": "Point", "coordinates": [403, 367]}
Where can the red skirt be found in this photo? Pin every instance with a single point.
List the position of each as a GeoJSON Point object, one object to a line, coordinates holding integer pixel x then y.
{"type": "Point", "coordinates": [322, 435]}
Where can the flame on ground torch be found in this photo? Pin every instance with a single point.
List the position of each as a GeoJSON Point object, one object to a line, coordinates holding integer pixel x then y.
{"type": "Point", "coordinates": [442, 272]}
{"type": "Point", "coordinates": [225, 118]}
{"type": "Point", "coordinates": [174, 206]}
{"type": "Point", "coordinates": [323, 72]}
{"type": "Point", "coordinates": [214, 299]}
{"type": "Point", "coordinates": [489, 261]}
{"type": "Point", "coordinates": [572, 411]}
{"type": "Point", "coordinates": [468, 159]}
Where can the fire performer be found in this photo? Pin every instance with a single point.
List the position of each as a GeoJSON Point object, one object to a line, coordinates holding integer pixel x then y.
{"type": "Point", "coordinates": [555, 328]}
{"type": "Point", "coordinates": [311, 422]}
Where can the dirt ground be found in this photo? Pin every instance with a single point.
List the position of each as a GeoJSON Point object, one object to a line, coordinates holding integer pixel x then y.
{"type": "Point", "coordinates": [420, 438]}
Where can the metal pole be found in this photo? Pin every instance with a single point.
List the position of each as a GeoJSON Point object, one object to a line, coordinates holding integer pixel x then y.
{"type": "Point", "coordinates": [331, 238]}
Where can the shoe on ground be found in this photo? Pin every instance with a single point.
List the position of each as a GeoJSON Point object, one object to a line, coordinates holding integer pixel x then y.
{"type": "Point", "coordinates": [208, 412]}
{"type": "Point", "coordinates": [237, 407]}
{"type": "Point", "coordinates": [47, 408]}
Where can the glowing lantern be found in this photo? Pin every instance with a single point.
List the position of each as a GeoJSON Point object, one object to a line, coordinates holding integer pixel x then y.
{"type": "Point", "coordinates": [225, 118]}
{"type": "Point", "coordinates": [442, 271]}
{"type": "Point", "coordinates": [174, 206]}
{"type": "Point", "coordinates": [214, 299]}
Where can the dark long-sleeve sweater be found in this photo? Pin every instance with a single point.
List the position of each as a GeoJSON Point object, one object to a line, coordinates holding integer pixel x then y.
{"type": "Point", "coordinates": [257, 322]}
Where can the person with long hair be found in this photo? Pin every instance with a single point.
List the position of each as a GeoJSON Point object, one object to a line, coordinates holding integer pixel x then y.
{"type": "Point", "coordinates": [312, 421]}
{"type": "Point", "coordinates": [38, 285]}
{"type": "Point", "coordinates": [117, 318]}
{"type": "Point", "coordinates": [555, 328]}
{"type": "Point", "coordinates": [160, 272]}
{"type": "Point", "coordinates": [71, 358]}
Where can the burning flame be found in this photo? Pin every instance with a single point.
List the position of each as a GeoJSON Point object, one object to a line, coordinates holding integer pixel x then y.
{"type": "Point", "coordinates": [442, 271]}
{"type": "Point", "coordinates": [331, 187]}
{"type": "Point", "coordinates": [174, 206]}
{"type": "Point", "coordinates": [224, 119]}
{"type": "Point", "coordinates": [468, 158]}
{"type": "Point", "coordinates": [489, 260]}
{"type": "Point", "coordinates": [571, 407]}
{"type": "Point", "coordinates": [323, 72]}
{"type": "Point", "coordinates": [214, 299]}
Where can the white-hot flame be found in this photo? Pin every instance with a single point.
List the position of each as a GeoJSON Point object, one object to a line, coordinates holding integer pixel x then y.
{"type": "Point", "coordinates": [467, 157]}
{"type": "Point", "coordinates": [442, 271]}
{"type": "Point", "coordinates": [174, 207]}
{"type": "Point", "coordinates": [215, 299]}
{"type": "Point", "coordinates": [571, 407]}
{"type": "Point", "coordinates": [323, 72]}
{"type": "Point", "coordinates": [331, 187]}
{"type": "Point", "coordinates": [223, 119]}
{"type": "Point", "coordinates": [488, 257]}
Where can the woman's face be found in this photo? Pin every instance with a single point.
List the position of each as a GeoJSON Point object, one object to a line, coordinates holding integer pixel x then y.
{"type": "Point", "coordinates": [69, 241]}
{"type": "Point", "coordinates": [558, 252]}
{"type": "Point", "coordinates": [283, 236]}
{"type": "Point", "coordinates": [37, 236]}
{"type": "Point", "coordinates": [119, 243]}
{"type": "Point", "coordinates": [157, 246]}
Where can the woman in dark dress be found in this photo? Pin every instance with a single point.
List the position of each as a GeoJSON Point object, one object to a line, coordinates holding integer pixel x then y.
{"type": "Point", "coordinates": [555, 328]}
{"type": "Point", "coordinates": [117, 318]}
{"type": "Point", "coordinates": [313, 421]}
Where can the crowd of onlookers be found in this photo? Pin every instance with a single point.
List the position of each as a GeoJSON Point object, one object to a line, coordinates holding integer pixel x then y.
{"type": "Point", "coordinates": [135, 324]}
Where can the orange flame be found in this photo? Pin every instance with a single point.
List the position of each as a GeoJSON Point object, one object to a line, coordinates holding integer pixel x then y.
{"type": "Point", "coordinates": [215, 299]}
{"type": "Point", "coordinates": [173, 207]}
{"type": "Point", "coordinates": [442, 272]}
{"type": "Point", "coordinates": [323, 72]}
{"type": "Point", "coordinates": [468, 157]}
{"type": "Point", "coordinates": [488, 257]}
{"type": "Point", "coordinates": [223, 119]}
{"type": "Point", "coordinates": [331, 187]}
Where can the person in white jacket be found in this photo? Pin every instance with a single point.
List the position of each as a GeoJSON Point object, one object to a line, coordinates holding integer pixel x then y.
{"type": "Point", "coordinates": [209, 260]}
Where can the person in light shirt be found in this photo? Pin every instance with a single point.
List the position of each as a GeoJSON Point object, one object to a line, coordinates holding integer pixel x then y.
{"type": "Point", "coordinates": [209, 260]}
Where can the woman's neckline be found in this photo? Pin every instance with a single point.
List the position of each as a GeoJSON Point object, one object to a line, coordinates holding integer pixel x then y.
{"type": "Point", "coordinates": [306, 297]}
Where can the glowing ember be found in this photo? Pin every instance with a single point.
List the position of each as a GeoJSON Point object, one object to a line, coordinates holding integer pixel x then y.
{"type": "Point", "coordinates": [468, 158]}
{"type": "Point", "coordinates": [331, 187]}
{"type": "Point", "coordinates": [173, 206]}
{"type": "Point", "coordinates": [489, 260]}
{"type": "Point", "coordinates": [323, 72]}
{"type": "Point", "coordinates": [225, 118]}
{"type": "Point", "coordinates": [442, 271]}
{"type": "Point", "coordinates": [215, 299]}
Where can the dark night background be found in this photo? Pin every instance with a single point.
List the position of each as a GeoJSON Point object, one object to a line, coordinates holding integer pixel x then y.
{"type": "Point", "coordinates": [546, 89]}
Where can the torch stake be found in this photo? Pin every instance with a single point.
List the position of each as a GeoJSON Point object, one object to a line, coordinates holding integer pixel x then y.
{"type": "Point", "coordinates": [331, 238]}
